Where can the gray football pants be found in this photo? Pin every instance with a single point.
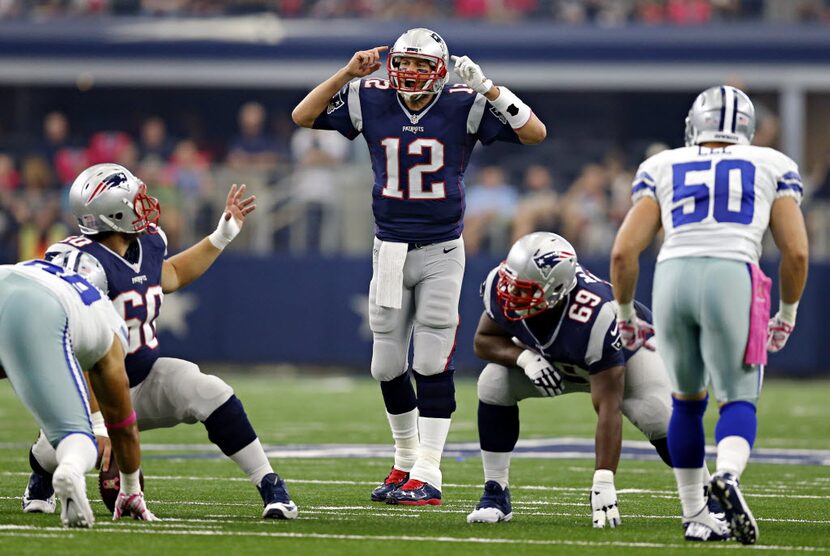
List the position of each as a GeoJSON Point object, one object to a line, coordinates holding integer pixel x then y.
{"type": "Point", "coordinates": [432, 277]}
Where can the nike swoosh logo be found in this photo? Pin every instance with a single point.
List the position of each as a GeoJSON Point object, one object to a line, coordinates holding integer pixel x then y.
{"type": "Point", "coordinates": [450, 249]}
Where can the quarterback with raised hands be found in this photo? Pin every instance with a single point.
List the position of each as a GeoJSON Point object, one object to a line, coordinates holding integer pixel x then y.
{"type": "Point", "coordinates": [549, 328]}
{"type": "Point", "coordinates": [420, 133]}
{"type": "Point", "coordinates": [124, 253]}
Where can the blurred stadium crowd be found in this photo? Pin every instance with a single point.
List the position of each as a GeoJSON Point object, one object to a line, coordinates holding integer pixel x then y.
{"type": "Point", "coordinates": [313, 187]}
{"type": "Point", "coordinates": [601, 12]}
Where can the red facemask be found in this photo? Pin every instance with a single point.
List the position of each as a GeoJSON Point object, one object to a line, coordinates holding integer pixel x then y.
{"type": "Point", "coordinates": [147, 210]}
{"type": "Point", "coordinates": [518, 299]}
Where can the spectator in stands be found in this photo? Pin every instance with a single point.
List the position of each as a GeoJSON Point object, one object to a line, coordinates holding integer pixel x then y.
{"type": "Point", "coordinates": [538, 208]}
{"type": "Point", "coordinates": [317, 155]}
{"type": "Point", "coordinates": [9, 176]}
{"type": "Point", "coordinates": [111, 146]}
{"type": "Point", "coordinates": [55, 136]}
{"type": "Point", "coordinates": [154, 142]}
{"type": "Point", "coordinates": [585, 212]}
{"type": "Point", "coordinates": [491, 206]}
{"type": "Point", "coordinates": [252, 148]}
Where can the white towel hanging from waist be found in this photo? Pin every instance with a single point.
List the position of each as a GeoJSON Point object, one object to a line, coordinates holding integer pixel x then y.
{"type": "Point", "coordinates": [391, 258]}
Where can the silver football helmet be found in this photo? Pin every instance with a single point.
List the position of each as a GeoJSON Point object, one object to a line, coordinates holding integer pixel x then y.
{"type": "Point", "coordinates": [721, 114]}
{"type": "Point", "coordinates": [424, 44]}
{"type": "Point", "coordinates": [539, 271]}
{"type": "Point", "coordinates": [109, 198]}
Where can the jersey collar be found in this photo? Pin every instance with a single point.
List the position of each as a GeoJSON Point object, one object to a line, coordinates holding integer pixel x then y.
{"type": "Point", "coordinates": [415, 117]}
{"type": "Point", "coordinates": [135, 267]}
{"type": "Point", "coordinates": [553, 336]}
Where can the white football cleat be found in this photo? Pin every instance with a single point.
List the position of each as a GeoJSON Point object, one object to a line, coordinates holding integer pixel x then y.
{"type": "Point", "coordinates": [494, 506]}
{"type": "Point", "coordinates": [704, 527]}
{"type": "Point", "coordinates": [39, 496]}
{"type": "Point", "coordinates": [70, 487]}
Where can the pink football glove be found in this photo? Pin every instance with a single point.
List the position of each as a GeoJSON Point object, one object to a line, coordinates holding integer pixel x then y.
{"type": "Point", "coordinates": [779, 333]}
{"type": "Point", "coordinates": [635, 333]}
{"type": "Point", "coordinates": [132, 505]}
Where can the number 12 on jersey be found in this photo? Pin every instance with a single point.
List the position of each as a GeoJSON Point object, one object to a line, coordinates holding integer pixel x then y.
{"type": "Point", "coordinates": [418, 190]}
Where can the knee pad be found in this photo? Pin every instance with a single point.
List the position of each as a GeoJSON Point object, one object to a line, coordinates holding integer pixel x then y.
{"type": "Point", "coordinates": [229, 428]}
{"type": "Point", "coordinates": [388, 359]}
{"type": "Point", "coordinates": [434, 348]}
{"type": "Point", "coordinates": [649, 412]}
{"type": "Point", "coordinates": [494, 387]}
{"type": "Point", "coordinates": [210, 392]}
{"type": "Point", "coordinates": [436, 395]}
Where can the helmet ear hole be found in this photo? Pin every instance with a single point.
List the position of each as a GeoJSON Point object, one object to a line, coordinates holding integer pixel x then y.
{"type": "Point", "coordinates": [119, 215]}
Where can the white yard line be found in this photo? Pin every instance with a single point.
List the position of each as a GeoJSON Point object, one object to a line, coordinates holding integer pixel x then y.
{"type": "Point", "coordinates": [15, 530]}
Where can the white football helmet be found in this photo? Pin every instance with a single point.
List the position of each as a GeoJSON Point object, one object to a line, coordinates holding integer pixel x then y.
{"type": "Point", "coordinates": [109, 198]}
{"type": "Point", "coordinates": [424, 44]}
{"type": "Point", "coordinates": [721, 114]}
{"type": "Point", "coordinates": [539, 271]}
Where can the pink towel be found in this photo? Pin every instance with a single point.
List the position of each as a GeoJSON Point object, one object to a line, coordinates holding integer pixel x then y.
{"type": "Point", "coordinates": [756, 344]}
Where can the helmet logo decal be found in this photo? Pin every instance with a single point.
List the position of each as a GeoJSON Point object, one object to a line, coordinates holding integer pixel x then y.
{"type": "Point", "coordinates": [548, 261]}
{"type": "Point", "coordinates": [112, 181]}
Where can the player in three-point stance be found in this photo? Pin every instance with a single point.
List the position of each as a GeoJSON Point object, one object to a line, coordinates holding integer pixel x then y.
{"type": "Point", "coordinates": [714, 199]}
{"type": "Point", "coordinates": [54, 324]}
{"type": "Point", "coordinates": [420, 133]}
{"type": "Point", "coordinates": [123, 252]}
{"type": "Point", "coordinates": [549, 328]}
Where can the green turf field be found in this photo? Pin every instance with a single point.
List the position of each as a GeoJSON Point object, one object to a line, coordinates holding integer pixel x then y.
{"type": "Point", "coordinates": [207, 507]}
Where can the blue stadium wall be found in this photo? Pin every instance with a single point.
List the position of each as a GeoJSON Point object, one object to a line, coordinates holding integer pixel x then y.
{"type": "Point", "coordinates": [312, 311]}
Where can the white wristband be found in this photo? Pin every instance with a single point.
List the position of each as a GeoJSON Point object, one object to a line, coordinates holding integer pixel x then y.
{"type": "Point", "coordinates": [627, 311]}
{"type": "Point", "coordinates": [787, 312]}
{"type": "Point", "coordinates": [525, 358]}
{"type": "Point", "coordinates": [605, 476]}
{"type": "Point", "coordinates": [98, 426]}
{"type": "Point", "coordinates": [224, 233]}
{"type": "Point", "coordinates": [512, 108]}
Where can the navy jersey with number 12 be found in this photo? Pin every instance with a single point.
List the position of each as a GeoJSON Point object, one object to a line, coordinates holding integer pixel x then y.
{"type": "Point", "coordinates": [418, 158]}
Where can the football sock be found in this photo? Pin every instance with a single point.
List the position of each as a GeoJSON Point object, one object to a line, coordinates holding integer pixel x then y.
{"type": "Point", "coordinates": [687, 448]}
{"type": "Point", "coordinates": [496, 466]}
{"type": "Point", "coordinates": [686, 440]}
{"type": "Point", "coordinates": [433, 433]}
{"type": "Point", "coordinates": [405, 432]}
{"type": "Point", "coordinates": [253, 461]}
{"type": "Point", "coordinates": [662, 447]}
{"type": "Point", "coordinates": [78, 451]}
{"type": "Point", "coordinates": [735, 434]}
{"type": "Point", "coordinates": [498, 427]}
{"type": "Point", "coordinates": [690, 489]}
{"type": "Point", "coordinates": [398, 395]}
{"type": "Point", "coordinates": [228, 427]}
{"type": "Point", "coordinates": [42, 457]}
{"type": "Point", "coordinates": [436, 394]}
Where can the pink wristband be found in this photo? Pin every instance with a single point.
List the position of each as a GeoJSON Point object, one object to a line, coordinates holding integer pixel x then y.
{"type": "Point", "coordinates": [129, 420]}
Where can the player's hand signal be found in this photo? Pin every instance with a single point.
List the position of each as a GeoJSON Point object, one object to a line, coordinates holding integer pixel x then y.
{"type": "Point", "coordinates": [365, 62]}
{"type": "Point", "coordinates": [471, 74]}
{"type": "Point", "coordinates": [238, 207]}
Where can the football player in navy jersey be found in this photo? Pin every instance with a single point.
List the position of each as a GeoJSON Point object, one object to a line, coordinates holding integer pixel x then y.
{"type": "Point", "coordinates": [550, 327]}
{"type": "Point", "coordinates": [124, 253]}
{"type": "Point", "coordinates": [420, 133]}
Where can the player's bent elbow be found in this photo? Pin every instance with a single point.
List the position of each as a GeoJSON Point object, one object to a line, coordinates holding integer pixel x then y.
{"type": "Point", "coordinates": [301, 119]}
{"type": "Point", "coordinates": [480, 345]}
{"type": "Point", "coordinates": [534, 135]}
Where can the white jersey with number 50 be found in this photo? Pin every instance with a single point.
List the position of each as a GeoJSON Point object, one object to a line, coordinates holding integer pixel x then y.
{"type": "Point", "coordinates": [716, 202]}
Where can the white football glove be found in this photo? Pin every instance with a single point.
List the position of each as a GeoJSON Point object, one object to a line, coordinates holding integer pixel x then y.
{"type": "Point", "coordinates": [539, 370]}
{"type": "Point", "coordinates": [471, 74]}
{"type": "Point", "coordinates": [132, 505]}
{"type": "Point", "coordinates": [604, 500]}
{"type": "Point", "coordinates": [779, 333]}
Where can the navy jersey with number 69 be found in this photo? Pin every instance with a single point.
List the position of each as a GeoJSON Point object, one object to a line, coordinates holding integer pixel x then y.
{"type": "Point", "coordinates": [579, 336]}
{"type": "Point", "coordinates": [418, 158]}
{"type": "Point", "coordinates": [133, 283]}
